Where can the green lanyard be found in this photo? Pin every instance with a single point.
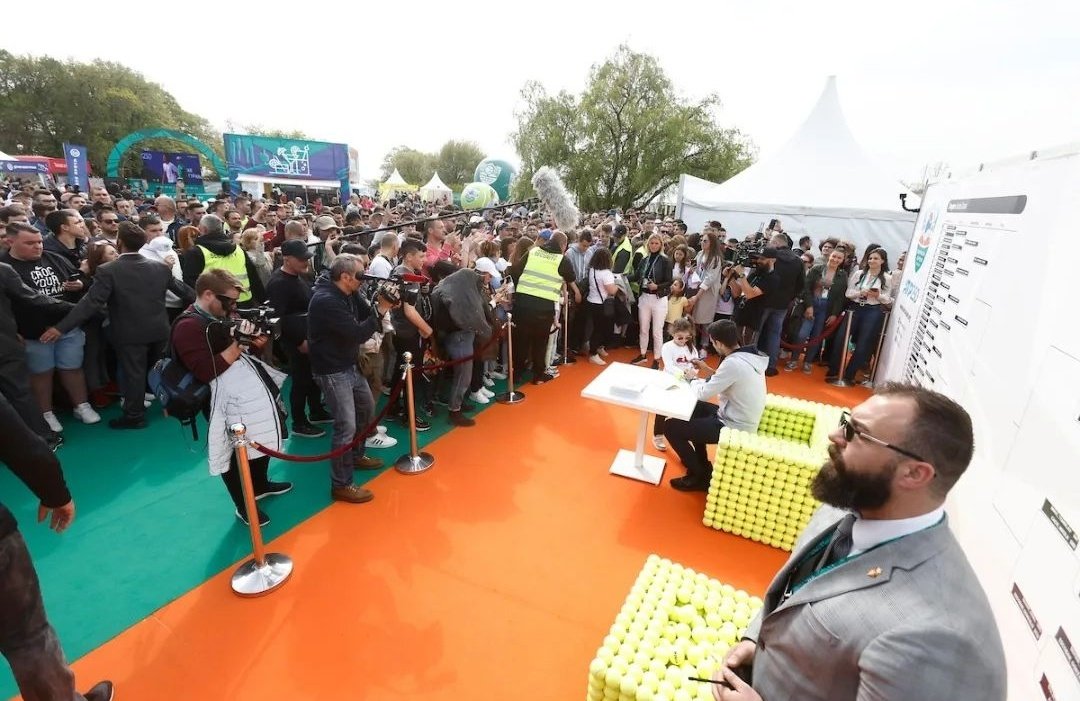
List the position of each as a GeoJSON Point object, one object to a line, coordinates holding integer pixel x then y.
{"type": "Point", "coordinates": [792, 588]}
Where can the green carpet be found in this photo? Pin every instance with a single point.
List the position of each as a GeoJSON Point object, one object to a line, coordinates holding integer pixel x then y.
{"type": "Point", "coordinates": [152, 524]}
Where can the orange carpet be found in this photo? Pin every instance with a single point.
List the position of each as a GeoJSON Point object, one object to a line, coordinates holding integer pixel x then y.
{"type": "Point", "coordinates": [495, 574]}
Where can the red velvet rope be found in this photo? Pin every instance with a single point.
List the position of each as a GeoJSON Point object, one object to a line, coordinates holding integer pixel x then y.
{"type": "Point", "coordinates": [828, 331]}
{"type": "Point", "coordinates": [495, 337]}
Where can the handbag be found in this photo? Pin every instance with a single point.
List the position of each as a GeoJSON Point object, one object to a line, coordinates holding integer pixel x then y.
{"type": "Point", "coordinates": [608, 302]}
{"type": "Point", "coordinates": [181, 394]}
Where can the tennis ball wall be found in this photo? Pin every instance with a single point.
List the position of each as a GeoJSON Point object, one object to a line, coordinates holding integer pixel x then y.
{"type": "Point", "coordinates": [675, 624]}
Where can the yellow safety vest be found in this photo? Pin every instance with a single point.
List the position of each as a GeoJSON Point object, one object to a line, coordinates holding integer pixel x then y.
{"type": "Point", "coordinates": [640, 254]}
{"type": "Point", "coordinates": [235, 263]}
{"type": "Point", "coordinates": [541, 278]}
{"type": "Point", "coordinates": [624, 246]}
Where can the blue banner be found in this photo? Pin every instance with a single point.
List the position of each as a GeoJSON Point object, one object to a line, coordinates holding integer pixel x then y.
{"type": "Point", "coordinates": [23, 168]}
{"type": "Point", "coordinates": [78, 166]}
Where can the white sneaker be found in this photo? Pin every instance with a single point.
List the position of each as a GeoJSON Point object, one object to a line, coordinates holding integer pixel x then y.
{"type": "Point", "coordinates": [496, 375]}
{"type": "Point", "coordinates": [487, 392]}
{"type": "Point", "coordinates": [658, 443]}
{"type": "Point", "coordinates": [85, 413]}
{"type": "Point", "coordinates": [479, 397]}
{"type": "Point", "coordinates": [488, 382]}
{"type": "Point", "coordinates": [54, 423]}
{"type": "Point", "coordinates": [380, 440]}
{"type": "Point", "coordinates": [149, 396]}
{"type": "Point", "coordinates": [602, 353]}
{"type": "Point", "coordinates": [552, 370]}
{"type": "Point", "coordinates": [596, 360]}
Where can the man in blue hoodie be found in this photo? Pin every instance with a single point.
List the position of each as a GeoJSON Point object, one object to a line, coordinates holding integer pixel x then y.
{"type": "Point", "coordinates": [740, 381]}
{"type": "Point", "coordinates": [339, 321]}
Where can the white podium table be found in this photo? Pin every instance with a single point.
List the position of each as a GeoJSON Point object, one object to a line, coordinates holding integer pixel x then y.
{"type": "Point", "coordinates": [660, 394]}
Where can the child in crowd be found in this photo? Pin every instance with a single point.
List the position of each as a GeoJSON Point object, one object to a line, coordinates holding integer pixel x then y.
{"type": "Point", "coordinates": [678, 356]}
{"type": "Point", "coordinates": [676, 304]}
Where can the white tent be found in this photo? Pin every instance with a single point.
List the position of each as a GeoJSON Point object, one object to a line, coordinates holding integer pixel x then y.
{"type": "Point", "coordinates": [394, 185]}
{"type": "Point", "coordinates": [820, 183]}
{"type": "Point", "coordinates": [435, 190]}
{"type": "Point", "coordinates": [5, 157]}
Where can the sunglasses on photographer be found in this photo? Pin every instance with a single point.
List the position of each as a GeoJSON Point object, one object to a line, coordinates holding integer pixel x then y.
{"type": "Point", "coordinates": [850, 431]}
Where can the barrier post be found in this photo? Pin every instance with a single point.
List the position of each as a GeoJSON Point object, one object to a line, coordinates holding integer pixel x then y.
{"type": "Point", "coordinates": [511, 395]}
{"type": "Point", "coordinates": [414, 462]}
{"type": "Point", "coordinates": [840, 381]}
{"type": "Point", "coordinates": [877, 354]}
{"type": "Point", "coordinates": [265, 571]}
{"type": "Point", "coordinates": [567, 359]}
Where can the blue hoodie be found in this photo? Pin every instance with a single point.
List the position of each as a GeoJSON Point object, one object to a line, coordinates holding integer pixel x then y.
{"type": "Point", "coordinates": [741, 380]}
{"type": "Point", "coordinates": [337, 325]}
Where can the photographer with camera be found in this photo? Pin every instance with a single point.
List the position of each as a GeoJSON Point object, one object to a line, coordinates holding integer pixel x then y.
{"type": "Point", "coordinates": [754, 289]}
{"type": "Point", "coordinates": [790, 282]}
{"type": "Point", "coordinates": [412, 326]}
{"type": "Point", "coordinates": [289, 294]}
{"type": "Point", "coordinates": [339, 322]}
{"type": "Point", "coordinates": [213, 343]}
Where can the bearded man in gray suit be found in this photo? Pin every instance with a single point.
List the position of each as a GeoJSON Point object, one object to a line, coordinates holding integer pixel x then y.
{"type": "Point", "coordinates": [878, 601]}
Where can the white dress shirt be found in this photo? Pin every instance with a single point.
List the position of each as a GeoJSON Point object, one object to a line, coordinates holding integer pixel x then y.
{"type": "Point", "coordinates": [867, 533]}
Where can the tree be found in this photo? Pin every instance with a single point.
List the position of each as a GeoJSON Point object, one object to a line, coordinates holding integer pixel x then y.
{"type": "Point", "coordinates": [626, 138]}
{"type": "Point", "coordinates": [45, 102]}
{"type": "Point", "coordinates": [415, 166]}
{"type": "Point", "coordinates": [457, 161]}
{"type": "Point", "coordinates": [259, 130]}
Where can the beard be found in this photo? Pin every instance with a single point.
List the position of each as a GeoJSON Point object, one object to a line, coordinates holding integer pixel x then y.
{"type": "Point", "coordinates": [835, 484]}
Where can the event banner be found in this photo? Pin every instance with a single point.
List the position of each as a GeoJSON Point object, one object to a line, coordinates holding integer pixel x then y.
{"type": "Point", "coordinates": [170, 168]}
{"type": "Point", "coordinates": [17, 168]}
{"type": "Point", "coordinates": [291, 159]}
{"type": "Point", "coordinates": [78, 166]}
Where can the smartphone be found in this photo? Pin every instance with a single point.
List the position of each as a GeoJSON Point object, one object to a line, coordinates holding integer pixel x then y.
{"type": "Point", "coordinates": [73, 277]}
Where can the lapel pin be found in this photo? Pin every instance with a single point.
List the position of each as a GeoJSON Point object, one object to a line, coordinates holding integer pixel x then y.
{"type": "Point", "coordinates": [874, 572]}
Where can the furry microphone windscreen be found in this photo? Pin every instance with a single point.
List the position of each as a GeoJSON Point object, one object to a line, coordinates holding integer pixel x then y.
{"type": "Point", "coordinates": [551, 191]}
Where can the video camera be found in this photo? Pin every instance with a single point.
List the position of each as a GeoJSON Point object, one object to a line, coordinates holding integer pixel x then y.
{"type": "Point", "coordinates": [397, 289]}
{"type": "Point", "coordinates": [747, 252]}
{"type": "Point", "coordinates": [266, 324]}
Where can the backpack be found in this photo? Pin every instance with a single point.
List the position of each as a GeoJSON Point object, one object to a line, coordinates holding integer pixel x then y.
{"type": "Point", "coordinates": [181, 394]}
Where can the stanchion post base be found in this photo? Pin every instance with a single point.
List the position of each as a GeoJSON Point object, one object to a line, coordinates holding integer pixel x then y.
{"type": "Point", "coordinates": [567, 360]}
{"type": "Point", "coordinates": [841, 383]}
{"type": "Point", "coordinates": [408, 465]}
{"type": "Point", "coordinates": [510, 397]}
{"type": "Point", "coordinates": [250, 579]}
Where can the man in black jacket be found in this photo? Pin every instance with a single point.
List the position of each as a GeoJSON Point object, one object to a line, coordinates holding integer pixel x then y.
{"type": "Point", "coordinates": [132, 290]}
{"type": "Point", "coordinates": [289, 294]}
{"type": "Point", "coordinates": [26, 639]}
{"type": "Point", "coordinates": [339, 321]}
{"type": "Point", "coordinates": [790, 281]}
{"type": "Point", "coordinates": [215, 249]}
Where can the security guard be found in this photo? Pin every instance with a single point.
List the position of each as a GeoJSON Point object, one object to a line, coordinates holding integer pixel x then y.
{"type": "Point", "coordinates": [215, 249]}
{"type": "Point", "coordinates": [539, 280]}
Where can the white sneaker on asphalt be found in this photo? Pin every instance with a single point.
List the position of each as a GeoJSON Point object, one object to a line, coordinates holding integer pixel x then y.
{"type": "Point", "coordinates": [54, 423]}
{"type": "Point", "coordinates": [85, 413]}
{"type": "Point", "coordinates": [479, 397]}
{"type": "Point", "coordinates": [658, 443]}
{"type": "Point", "coordinates": [596, 360]}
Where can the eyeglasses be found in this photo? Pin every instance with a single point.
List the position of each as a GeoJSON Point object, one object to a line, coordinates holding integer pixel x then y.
{"type": "Point", "coordinates": [226, 301]}
{"type": "Point", "coordinates": [850, 432]}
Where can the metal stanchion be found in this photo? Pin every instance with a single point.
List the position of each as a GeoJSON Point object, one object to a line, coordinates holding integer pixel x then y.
{"type": "Point", "coordinates": [414, 462]}
{"type": "Point", "coordinates": [567, 359]}
{"type": "Point", "coordinates": [511, 395]}
{"type": "Point", "coordinates": [869, 382]}
{"type": "Point", "coordinates": [265, 571]}
{"type": "Point", "coordinates": [840, 381]}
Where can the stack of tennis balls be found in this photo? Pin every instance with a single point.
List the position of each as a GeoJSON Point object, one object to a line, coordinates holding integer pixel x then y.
{"type": "Point", "coordinates": [676, 623]}
{"type": "Point", "coordinates": [760, 486]}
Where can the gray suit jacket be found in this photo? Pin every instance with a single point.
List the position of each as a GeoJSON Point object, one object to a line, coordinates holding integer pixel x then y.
{"type": "Point", "coordinates": [921, 629]}
{"type": "Point", "coordinates": [132, 289]}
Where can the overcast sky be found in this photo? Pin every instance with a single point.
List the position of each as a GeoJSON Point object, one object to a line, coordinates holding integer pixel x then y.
{"type": "Point", "coordinates": [920, 82]}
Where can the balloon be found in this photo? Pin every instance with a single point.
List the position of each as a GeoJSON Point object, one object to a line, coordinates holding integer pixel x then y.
{"type": "Point", "coordinates": [497, 173]}
{"type": "Point", "coordinates": [478, 196]}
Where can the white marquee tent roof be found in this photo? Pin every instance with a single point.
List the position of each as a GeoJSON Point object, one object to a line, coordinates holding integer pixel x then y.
{"type": "Point", "coordinates": [434, 189]}
{"type": "Point", "coordinates": [819, 183]}
{"type": "Point", "coordinates": [395, 179]}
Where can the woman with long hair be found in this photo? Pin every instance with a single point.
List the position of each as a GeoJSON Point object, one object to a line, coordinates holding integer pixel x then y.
{"type": "Point", "coordinates": [601, 286]}
{"type": "Point", "coordinates": [868, 292]}
{"type": "Point", "coordinates": [681, 262]}
{"type": "Point", "coordinates": [654, 276]}
{"type": "Point", "coordinates": [710, 264]}
{"type": "Point", "coordinates": [185, 238]}
{"type": "Point", "coordinates": [521, 250]}
{"type": "Point", "coordinates": [822, 301]}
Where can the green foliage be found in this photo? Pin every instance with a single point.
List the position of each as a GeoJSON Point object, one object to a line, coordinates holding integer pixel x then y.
{"type": "Point", "coordinates": [259, 130]}
{"type": "Point", "coordinates": [45, 102]}
{"type": "Point", "coordinates": [455, 163]}
{"type": "Point", "coordinates": [626, 138]}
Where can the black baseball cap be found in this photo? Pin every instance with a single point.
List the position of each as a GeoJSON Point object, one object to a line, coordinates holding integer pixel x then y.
{"type": "Point", "coordinates": [296, 249]}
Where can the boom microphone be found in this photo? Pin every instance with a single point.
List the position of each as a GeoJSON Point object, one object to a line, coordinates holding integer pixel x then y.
{"type": "Point", "coordinates": [553, 194]}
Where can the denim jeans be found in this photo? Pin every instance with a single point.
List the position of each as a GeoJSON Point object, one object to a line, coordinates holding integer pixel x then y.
{"type": "Point", "coordinates": [812, 328]}
{"type": "Point", "coordinates": [865, 329]}
{"type": "Point", "coordinates": [26, 639]}
{"type": "Point", "coordinates": [459, 344]}
{"type": "Point", "coordinates": [349, 399]}
{"type": "Point", "coordinates": [772, 325]}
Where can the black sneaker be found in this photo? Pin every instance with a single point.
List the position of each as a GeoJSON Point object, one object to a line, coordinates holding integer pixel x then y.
{"type": "Point", "coordinates": [125, 422]}
{"type": "Point", "coordinates": [466, 406]}
{"type": "Point", "coordinates": [543, 379]}
{"type": "Point", "coordinates": [687, 484]}
{"type": "Point", "coordinates": [403, 419]}
{"type": "Point", "coordinates": [320, 416]}
{"type": "Point", "coordinates": [638, 359]}
{"type": "Point", "coordinates": [307, 431]}
{"type": "Point", "coordinates": [459, 419]}
{"type": "Point", "coordinates": [55, 441]}
{"type": "Point", "coordinates": [772, 372]}
{"type": "Point", "coordinates": [273, 489]}
{"type": "Point", "coordinates": [102, 691]}
{"type": "Point", "coordinates": [264, 520]}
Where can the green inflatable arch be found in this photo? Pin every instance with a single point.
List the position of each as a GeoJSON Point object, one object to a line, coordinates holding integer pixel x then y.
{"type": "Point", "coordinates": [112, 166]}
